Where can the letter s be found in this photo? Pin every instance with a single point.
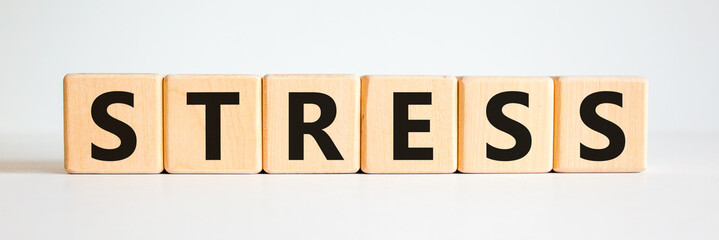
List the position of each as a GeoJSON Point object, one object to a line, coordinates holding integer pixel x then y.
{"type": "Point", "coordinates": [614, 133]}
{"type": "Point", "coordinates": [128, 139]}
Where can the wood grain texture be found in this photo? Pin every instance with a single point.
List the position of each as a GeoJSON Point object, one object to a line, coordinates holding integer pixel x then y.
{"type": "Point", "coordinates": [145, 118]}
{"type": "Point", "coordinates": [475, 130]}
{"type": "Point", "coordinates": [344, 130]}
{"type": "Point", "coordinates": [240, 125]}
{"type": "Point", "coordinates": [570, 131]}
{"type": "Point", "coordinates": [377, 124]}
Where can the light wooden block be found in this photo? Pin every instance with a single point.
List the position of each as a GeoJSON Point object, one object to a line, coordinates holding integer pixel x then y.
{"type": "Point", "coordinates": [118, 102]}
{"type": "Point", "coordinates": [343, 130]}
{"type": "Point", "coordinates": [434, 100]}
{"type": "Point", "coordinates": [591, 110]}
{"type": "Point", "coordinates": [230, 141]}
{"type": "Point", "coordinates": [512, 135]}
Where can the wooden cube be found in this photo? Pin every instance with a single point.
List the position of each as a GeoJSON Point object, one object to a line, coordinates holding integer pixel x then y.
{"type": "Point", "coordinates": [311, 123]}
{"type": "Point", "coordinates": [600, 124]}
{"type": "Point", "coordinates": [409, 124]}
{"type": "Point", "coordinates": [505, 124]}
{"type": "Point", "coordinates": [113, 123]}
{"type": "Point", "coordinates": [213, 123]}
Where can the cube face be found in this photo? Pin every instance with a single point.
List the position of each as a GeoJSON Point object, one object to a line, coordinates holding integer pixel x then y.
{"type": "Point", "coordinates": [311, 123]}
{"type": "Point", "coordinates": [213, 123]}
{"type": "Point", "coordinates": [113, 123]}
{"type": "Point", "coordinates": [505, 124]}
{"type": "Point", "coordinates": [600, 124]}
{"type": "Point", "coordinates": [409, 124]}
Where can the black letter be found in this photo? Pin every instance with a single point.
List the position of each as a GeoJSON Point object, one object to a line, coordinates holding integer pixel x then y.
{"type": "Point", "coordinates": [128, 139]}
{"type": "Point", "coordinates": [590, 118]}
{"type": "Point", "coordinates": [298, 128]}
{"type": "Point", "coordinates": [402, 126]}
{"type": "Point", "coordinates": [212, 102]}
{"type": "Point", "coordinates": [520, 133]}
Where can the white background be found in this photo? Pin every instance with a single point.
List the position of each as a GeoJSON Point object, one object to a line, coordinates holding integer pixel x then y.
{"type": "Point", "coordinates": [674, 44]}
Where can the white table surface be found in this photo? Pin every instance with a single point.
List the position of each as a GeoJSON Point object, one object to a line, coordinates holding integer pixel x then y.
{"type": "Point", "coordinates": [676, 198]}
